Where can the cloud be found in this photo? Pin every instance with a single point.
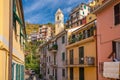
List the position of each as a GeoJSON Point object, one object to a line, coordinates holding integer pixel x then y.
{"type": "Point", "coordinates": [36, 5]}
{"type": "Point", "coordinates": [67, 10]}
{"type": "Point", "coordinates": [43, 11]}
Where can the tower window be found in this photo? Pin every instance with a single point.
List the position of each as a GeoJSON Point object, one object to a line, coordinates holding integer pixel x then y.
{"type": "Point", "coordinates": [57, 17]}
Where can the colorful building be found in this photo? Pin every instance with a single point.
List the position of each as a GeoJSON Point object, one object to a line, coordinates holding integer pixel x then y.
{"type": "Point", "coordinates": [108, 39]}
{"type": "Point", "coordinates": [45, 32]}
{"type": "Point", "coordinates": [78, 15]}
{"type": "Point", "coordinates": [17, 37]}
{"type": "Point", "coordinates": [81, 53]}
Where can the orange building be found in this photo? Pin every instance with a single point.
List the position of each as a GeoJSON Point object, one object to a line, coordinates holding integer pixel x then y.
{"type": "Point", "coordinates": [81, 53]}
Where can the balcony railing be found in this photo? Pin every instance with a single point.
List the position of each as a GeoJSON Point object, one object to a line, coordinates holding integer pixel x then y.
{"type": "Point", "coordinates": [53, 48]}
{"type": "Point", "coordinates": [79, 37]}
{"type": "Point", "coordinates": [53, 64]}
{"type": "Point", "coordinates": [82, 62]}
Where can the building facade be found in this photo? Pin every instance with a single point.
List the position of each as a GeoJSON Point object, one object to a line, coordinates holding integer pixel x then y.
{"type": "Point", "coordinates": [53, 52]}
{"type": "Point", "coordinates": [108, 39]}
{"type": "Point", "coordinates": [81, 53]}
{"type": "Point", "coordinates": [18, 40]}
{"type": "Point", "coordinates": [45, 32]}
{"type": "Point", "coordinates": [78, 15]}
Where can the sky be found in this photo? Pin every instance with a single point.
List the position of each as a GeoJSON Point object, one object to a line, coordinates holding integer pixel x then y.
{"type": "Point", "coordinates": [43, 11]}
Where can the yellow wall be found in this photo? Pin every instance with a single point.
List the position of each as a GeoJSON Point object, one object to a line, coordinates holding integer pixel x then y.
{"type": "Point", "coordinates": [18, 55]}
{"type": "Point", "coordinates": [90, 17]}
{"type": "Point", "coordinates": [89, 50]}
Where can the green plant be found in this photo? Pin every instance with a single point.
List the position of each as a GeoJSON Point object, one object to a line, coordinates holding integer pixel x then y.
{"type": "Point", "coordinates": [55, 46]}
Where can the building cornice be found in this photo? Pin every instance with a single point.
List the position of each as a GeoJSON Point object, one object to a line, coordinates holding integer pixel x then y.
{"type": "Point", "coordinates": [104, 5]}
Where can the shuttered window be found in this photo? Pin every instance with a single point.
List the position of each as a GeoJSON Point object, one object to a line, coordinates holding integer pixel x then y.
{"type": "Point", "coordinates": [116, 49]}
{"type": "Point", "coordinates": [13, 71]}
{"type": "Point", "coordinates": [117, 13]}
{"type": "Point", "coordinates": [71, 57]}
{"type": "Point", "coordinates": [17, 71]}
{"type": "Point", "coordinates": [63, 72]}
{"type": "Point", "coordinates": [71, 73]}
{"type": "Point", "coordinates": [63, 56]}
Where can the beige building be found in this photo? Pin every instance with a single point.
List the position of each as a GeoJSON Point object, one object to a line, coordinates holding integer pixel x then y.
{"type": "Point", "coordinates": [53, 52]}
{"type": "Point", "coordinates": [45, 32]}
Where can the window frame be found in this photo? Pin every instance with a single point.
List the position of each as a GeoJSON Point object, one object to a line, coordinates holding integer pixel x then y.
{"type": "Point", "coordinates": [117, 14]}
{"type": "Point", "coordinates": [63, 39]}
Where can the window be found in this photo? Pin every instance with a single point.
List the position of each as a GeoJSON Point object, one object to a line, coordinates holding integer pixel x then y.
{"type": "Point", "coordinates": [77, 13]}
{"type": "Point", "coordinates": [53, 72]}
{"type": "Point", "coordinates": [71, 56]}
{"type": "Point", "coordinates": [81, 55]}
{"type": "Point", "coordinates": [88, 32]}
{"type": "Point", "coordinates": [83, 13]}
{"type": "Point", "coordinates": [13, 64]}
{"type": "Point", "coordinates": [57, 17]}
{"type": "Point", "coordinates": [84, 7]}
{"type": "Point", "coordinates": [71, 73]}
{"type": "Point", "coordinates": [84, 34]}
{"type": "Point", "coordinates": [116, 49]}
{"type": "Point", "coordinates": [81, 74]}
{"type": "Point", "coordinates": [117, 14]}
{"type": "Point", "coordinates": [48, 71]}
{"type": "Point", "coordinates": [63, 39]}
{"type": "Point", "coordinates": [49, 58]}
{"type": "Point", "coordinates": [63, 56]}
{"type": "Point", "coordinates": [63, 72]}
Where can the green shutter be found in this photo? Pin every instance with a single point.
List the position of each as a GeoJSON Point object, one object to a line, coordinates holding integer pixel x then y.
{"type": "Point", "coordinates": [17, 75]}
{"type": "Point", "coordinates": [63, 56]}
{"type": "Point", "coordinates": [13, 71]}
{"type": "Point", "coordinates": [17, 18]}
{"type": "Point", "coordinates": [21, 72]}
{"type": "Point", "coordinates": [84, 7]}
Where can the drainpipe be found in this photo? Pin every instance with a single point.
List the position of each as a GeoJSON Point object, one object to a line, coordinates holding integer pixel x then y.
{"type": "Point", "coordinates": [96, 50]}
{"type": "Point", "coordinates": [10, 39]}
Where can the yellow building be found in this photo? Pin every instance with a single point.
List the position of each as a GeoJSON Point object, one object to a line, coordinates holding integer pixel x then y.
{"type": "Point", "coordinates": [81, 53]}
{"type": "Point", "coordinates": [17, 36]}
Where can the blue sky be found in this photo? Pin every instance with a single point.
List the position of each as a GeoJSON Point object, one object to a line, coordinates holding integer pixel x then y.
{"type": "Point", "coordinates": [43, 11]}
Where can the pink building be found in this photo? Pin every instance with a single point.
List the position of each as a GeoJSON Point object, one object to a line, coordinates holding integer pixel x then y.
{"type": "Point", "coordinates": [108, 40]}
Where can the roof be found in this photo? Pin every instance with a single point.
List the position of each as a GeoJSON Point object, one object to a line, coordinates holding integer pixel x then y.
{"type": "Point", "coordinates": [59, 11]}
{"type": "Point", "coordinates": [103, 6]}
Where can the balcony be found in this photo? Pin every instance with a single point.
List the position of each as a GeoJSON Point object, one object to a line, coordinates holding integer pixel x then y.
{"type": "Point", "coordinates": [79, 37]}
{"type": "Point", "coordinates": [53, 64]}
{"type": "Point", "coordinates": [83, 62]}
{"type": "Point", "coordinates": [111, 70]}
{"type": "Point", "coordinates": [43, 64]}
{"type": "Point", "coordinates": [53, 48]}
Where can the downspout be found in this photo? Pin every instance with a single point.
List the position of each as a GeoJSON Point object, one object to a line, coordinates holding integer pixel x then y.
{"type": "Point", "coordinates": [10, 39]}
{"type": "Point", "coordinates": [96, 50]}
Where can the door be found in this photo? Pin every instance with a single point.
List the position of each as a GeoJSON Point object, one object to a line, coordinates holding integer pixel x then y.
{"type": "Point", "coordinates": [81, 73]}
{"type": "Point", "coordinates": [71, 73]}
{"type": "Point", "coordinates": [81, 55]}
{"type": "Point", "coordinates": [71, 56]}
